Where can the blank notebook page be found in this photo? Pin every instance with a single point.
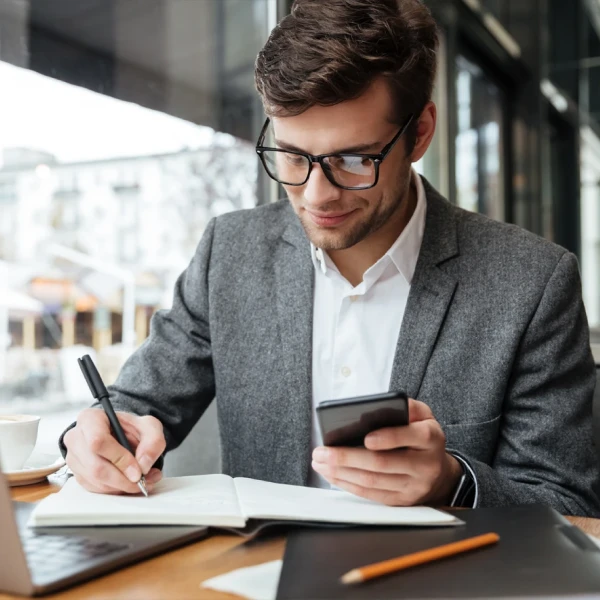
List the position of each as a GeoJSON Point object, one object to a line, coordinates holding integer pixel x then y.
{"type": "Point", "coordinates": [265, 500]}
{"type": "Point", "coordinates": [195, 500]}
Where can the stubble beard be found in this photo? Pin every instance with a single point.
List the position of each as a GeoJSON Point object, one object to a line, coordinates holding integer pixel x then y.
{"type": "Point", "coordinates": [344, 237]}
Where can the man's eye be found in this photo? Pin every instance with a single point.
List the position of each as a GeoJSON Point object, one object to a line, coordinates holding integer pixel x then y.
{"type": "Point", "coordinates": [350, 163]}
{"type": "Point", "coordinates": [294, 159]}
{"type": "Point", "coordinates": [337, 161]}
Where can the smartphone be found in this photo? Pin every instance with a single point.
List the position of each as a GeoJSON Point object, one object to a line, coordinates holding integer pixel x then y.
{"type": "Point", "coordinates": [346, 422]}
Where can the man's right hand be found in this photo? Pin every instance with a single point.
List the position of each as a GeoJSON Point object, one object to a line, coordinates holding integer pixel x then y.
{"type": "Point", "coordinates": [101, 464]}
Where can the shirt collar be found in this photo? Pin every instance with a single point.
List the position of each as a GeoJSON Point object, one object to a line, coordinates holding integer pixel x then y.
{"type": "Point", "coordinates": [404, 252]}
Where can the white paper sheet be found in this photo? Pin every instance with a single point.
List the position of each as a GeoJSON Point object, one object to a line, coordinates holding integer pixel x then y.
{"type": "Point", "coordinates": [256, 583]}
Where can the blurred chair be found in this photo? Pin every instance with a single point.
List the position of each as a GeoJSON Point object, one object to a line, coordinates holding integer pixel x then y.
{"type": "Point", "coordinates": [200, 452]}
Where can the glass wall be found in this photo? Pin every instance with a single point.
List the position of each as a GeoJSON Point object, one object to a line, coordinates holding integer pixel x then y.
{"type": "Point", "coordinates": [590, 223]}
{"type": "Point", "coordinates": [435, 165]}
{"type": "Point", "coordinates": [479, 141]}
{"type": "Point", "coordinates": [572, 85]}
{"type": "Point", "coordinates": [123, 132]}
{"type": "Point", "coordinates": [589, 101]}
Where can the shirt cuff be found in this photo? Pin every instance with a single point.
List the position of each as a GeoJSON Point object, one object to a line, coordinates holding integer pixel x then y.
{"type": "Point", "coordinates": [61, 442]}
{"type": "Point", "coordinates": [467, 493]}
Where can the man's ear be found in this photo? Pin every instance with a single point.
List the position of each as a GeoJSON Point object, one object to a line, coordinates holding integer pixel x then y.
{"type": "Point", "coordinates": [425, 131]}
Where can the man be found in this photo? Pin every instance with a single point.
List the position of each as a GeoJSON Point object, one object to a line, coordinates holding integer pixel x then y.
{"type": "Point", "coordinates": [365, 280]}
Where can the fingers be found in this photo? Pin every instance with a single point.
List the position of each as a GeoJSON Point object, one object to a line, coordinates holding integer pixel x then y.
{"type": "Point", "coordinates": [101, 464]}
{"type": "Point", "coordinates": [152, 442]}
{"type": "Point", "coordinates": [396, 478]}
{"type": "Point", "coordinates": [418, 411]}
{"type": "Point", "coordinates": [419, 435]}
{"type": "Point", "coordinates": [415, 493]}
{"type": "Point", "coordinates": [99, 442]}
{"type": "Point", "coordinates": [153, 476]}
{"type": "Point", "coordinates": [98, 475]}
{"type": "Point", "coordinates": [396, 462]}
{"type": "Point", "coordinates": [146, 435]}
{"type": "Point", "coordinates": [368, 479]}
{"type": "Point", "coordinates": [422, 432]}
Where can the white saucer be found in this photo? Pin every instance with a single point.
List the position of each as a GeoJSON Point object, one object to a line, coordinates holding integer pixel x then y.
{"type": "Point", "coordinates": [36, 469]}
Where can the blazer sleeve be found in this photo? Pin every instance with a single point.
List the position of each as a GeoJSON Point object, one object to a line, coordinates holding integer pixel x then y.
{"type": "Point", "coordinates": [545, 451]}
{"type": "Point", "coordinates": [170, 376]}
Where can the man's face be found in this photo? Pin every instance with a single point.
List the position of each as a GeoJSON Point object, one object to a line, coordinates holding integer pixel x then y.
{"type": "Point", "coordinates": [333, 218]}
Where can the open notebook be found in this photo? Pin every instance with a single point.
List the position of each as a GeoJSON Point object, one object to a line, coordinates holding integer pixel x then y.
{"type": "Point", "coordinates": [219, 500]}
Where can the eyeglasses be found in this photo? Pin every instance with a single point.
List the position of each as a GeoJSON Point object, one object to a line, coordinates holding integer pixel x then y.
{"type": "Point", "coordinates": [349, 171]}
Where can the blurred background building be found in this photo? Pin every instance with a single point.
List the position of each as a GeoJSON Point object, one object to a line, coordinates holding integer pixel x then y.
{"type": "Point", "coordinates": [125, 125]}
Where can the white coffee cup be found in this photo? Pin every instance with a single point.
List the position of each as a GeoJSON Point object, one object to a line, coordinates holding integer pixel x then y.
{"type": "Point", "coordinates": [18, 434]}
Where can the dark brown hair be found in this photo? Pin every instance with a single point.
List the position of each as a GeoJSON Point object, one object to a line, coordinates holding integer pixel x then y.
{"type": "Point", "coordinates": [329, 51]}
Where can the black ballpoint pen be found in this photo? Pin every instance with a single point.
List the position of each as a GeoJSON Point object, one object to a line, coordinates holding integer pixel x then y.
{"type": "Point", "coordinates": [100, 393]}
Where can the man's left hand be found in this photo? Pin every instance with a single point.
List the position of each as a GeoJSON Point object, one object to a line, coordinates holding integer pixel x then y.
{"type": "Point", "coordinates": [399, 466]}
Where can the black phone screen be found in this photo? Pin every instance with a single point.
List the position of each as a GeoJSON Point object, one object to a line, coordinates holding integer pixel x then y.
{"type": "Point", "coordinates": [346, 422]}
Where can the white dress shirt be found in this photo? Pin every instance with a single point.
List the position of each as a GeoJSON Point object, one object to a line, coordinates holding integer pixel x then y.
{"type": "Point", "coordinates": [355, 329]}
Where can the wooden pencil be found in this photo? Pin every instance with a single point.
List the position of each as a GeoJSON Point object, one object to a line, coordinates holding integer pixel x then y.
{"type": "Point", "coordinates": [418, 558]}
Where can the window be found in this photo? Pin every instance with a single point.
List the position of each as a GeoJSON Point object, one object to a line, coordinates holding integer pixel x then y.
{"type": "Point", "coordinates": [145, 132]}
{"type": "Point", "coordinates": [590, 223]}
{"type": "Point", "coordinates": [8, 192]}
{"type": "Point", "coordinates": [479, 141]}
{"type": "Point", "coordinates": [434, 164]}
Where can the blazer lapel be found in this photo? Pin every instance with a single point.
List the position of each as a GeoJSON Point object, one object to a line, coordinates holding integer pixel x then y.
{"type": "Point", "coordinates": [430, 296]}
{"type": "Point", "coordinates": [294, 273]}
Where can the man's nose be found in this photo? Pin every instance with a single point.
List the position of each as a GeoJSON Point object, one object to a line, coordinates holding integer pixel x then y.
{"type": "Point", "coordinates": [318, 189]}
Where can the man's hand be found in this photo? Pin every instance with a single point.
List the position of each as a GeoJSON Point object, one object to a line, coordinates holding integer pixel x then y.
{"type": "Point", "coordinates": [399, 466]}
{"type": "Point", "coordinates": [101, 464]}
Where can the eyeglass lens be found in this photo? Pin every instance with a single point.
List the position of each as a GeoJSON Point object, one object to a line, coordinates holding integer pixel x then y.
{"type": "Point", "coordinates": [346, 170]}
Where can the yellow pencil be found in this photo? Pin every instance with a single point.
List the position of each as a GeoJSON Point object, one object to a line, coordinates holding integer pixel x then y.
{"type": "Point", "coordinates": [418, 558]}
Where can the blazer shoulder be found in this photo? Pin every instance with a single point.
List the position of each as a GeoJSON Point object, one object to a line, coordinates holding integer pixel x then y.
{"type": "Point", "coordinates": [507, 242]}
{"type": "Point", "coordinates": [259, 220]}
{"type": "Point", "coordinates": [248, 233]}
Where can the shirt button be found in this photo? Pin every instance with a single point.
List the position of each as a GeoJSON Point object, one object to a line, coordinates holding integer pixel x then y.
{"type": "Point", "coordinates": [346, 372]}
{"type": "Point", "coordinates": [353, 298]}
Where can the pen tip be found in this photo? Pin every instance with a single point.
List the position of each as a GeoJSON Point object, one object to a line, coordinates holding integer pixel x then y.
{"type": "Point", "coordinates": [142, 486]}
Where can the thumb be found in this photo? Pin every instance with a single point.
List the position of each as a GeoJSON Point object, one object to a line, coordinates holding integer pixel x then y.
{"type": "Point", "coordinates": [418, 411]}
{"type": "Point", "coordinates": [152, 442]}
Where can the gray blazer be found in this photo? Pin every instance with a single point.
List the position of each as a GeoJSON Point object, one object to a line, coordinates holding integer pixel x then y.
{"type": "Point", "coordinates": [494, 339]}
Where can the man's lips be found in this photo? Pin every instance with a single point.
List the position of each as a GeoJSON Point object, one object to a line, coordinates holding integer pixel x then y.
{"type": "Point", "coordinates": [328, 219]}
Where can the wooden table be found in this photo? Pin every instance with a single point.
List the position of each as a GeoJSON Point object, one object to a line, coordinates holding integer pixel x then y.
{"type": "Point", "coordinates": [178, 574]}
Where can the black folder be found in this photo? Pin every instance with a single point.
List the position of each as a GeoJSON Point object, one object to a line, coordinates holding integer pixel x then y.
{"type": "Point", "coordinates": [540, 554]}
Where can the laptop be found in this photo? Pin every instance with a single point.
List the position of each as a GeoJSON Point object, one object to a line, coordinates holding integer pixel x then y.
{"type": "Point", "coordinates": [39, 561]}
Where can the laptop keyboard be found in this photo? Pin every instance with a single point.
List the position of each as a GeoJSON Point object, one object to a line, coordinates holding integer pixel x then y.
{"type": "Point", "coordinates": [46, 553]}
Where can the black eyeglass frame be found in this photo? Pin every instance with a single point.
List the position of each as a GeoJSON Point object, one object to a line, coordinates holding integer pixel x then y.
{"type": "Point", "coordinates": [320, 158]}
